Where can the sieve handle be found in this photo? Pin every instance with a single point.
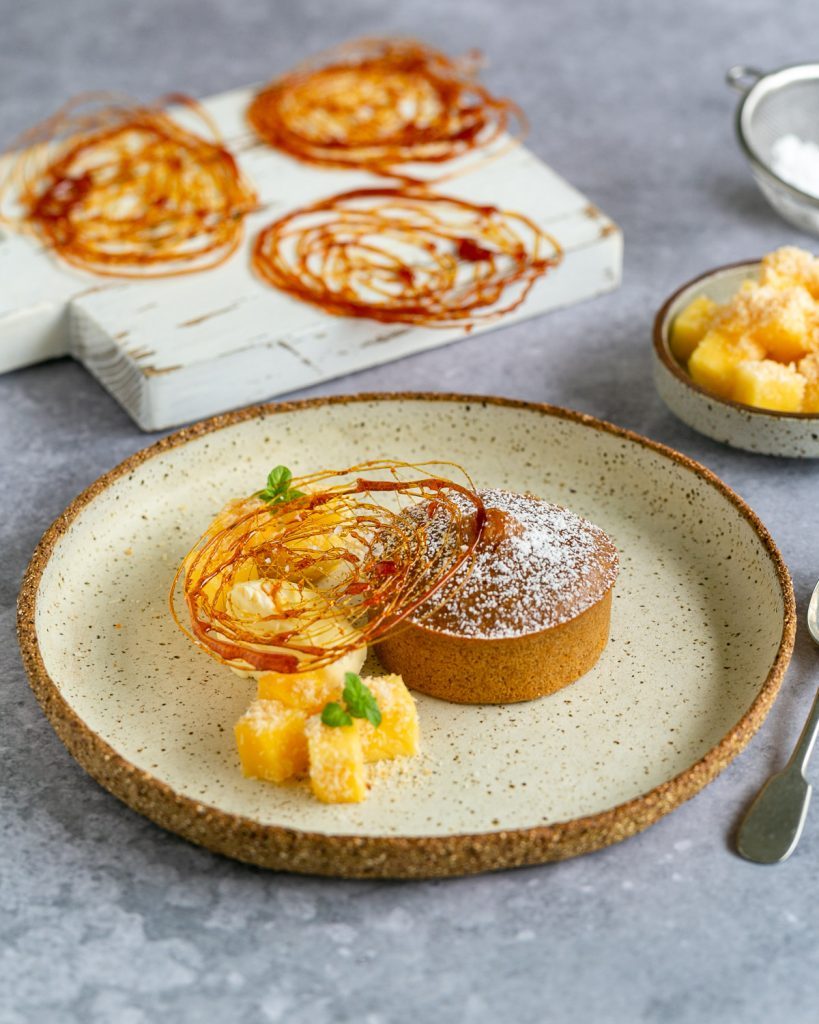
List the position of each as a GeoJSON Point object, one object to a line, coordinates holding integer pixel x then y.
{"type": "Point", "coordinates": [742, 77]}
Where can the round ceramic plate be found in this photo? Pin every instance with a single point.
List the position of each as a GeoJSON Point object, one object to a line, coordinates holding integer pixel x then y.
{"type": "Point", "coordinates": [702, 630]}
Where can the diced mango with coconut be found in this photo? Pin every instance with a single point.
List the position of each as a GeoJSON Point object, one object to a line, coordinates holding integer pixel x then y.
{"type": "Point", "coordinates": [310, 691]}
{"type": "Point", "coordinates": [761, 347]}
{"type": "Point", "coordinates": [397, 734]}
{"type": "Point", "coordinates": [809, 368]}
{"type": "Point", "coordinates": [783, 322]}
{"type": "Point", "coordinates": [790, 266]}
{"type": "Point", "coordinates": [691, 326]}
{"type": "Point", "coordinates": [271, 741]}
{"type": "Point", "coordinates": [714, 361]}
{"type": "Point", "coordinates": [277, 741]}
{"type": "Point", "coordinates": [336, 762]}
{"type": "Point", "coordinates": [767, 384]}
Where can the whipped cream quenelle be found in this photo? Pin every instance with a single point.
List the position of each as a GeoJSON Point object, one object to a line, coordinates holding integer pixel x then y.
{"type": "Point", "coordinates": [262, 602]}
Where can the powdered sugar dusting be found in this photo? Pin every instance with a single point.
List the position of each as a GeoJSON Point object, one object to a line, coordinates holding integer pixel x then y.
{"type": "Point", "coordinates": [544, 566]}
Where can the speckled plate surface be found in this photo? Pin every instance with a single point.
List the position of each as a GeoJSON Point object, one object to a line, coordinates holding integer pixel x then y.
{"type": "Point", "coordinates": [702, 630]}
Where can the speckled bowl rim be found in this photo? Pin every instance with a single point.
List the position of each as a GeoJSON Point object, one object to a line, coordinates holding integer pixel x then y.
{"type": "Point", "coordinates": [352, 856]}
{"type": "Point", "coordinates": [662, 350]}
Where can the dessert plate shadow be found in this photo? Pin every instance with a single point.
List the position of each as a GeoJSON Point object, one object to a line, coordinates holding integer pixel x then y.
{"type": "Point", "coordinates": [702, 631]}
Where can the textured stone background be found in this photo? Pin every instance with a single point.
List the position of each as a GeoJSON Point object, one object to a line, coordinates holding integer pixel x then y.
{"type": "Point", "coordinates": [104, 917]}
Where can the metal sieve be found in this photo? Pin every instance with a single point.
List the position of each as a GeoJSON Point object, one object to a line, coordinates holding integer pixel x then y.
{"type": "Point", "coordinates": [774, 104]}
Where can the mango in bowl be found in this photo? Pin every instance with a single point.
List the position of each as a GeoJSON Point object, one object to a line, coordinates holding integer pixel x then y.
{"type": "Point", "coordinates": [749, 349]}
{"type": "Point", "coordinates": [736, 354]}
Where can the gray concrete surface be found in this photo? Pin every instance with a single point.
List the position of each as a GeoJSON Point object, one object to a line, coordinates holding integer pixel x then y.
{"type": "Point", "coordinates": [105, 918]}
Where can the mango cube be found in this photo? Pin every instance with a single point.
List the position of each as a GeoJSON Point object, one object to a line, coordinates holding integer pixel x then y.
{"type": "Point", "coordinates": [271, 741]}
{"type": "Point", "coordinates": [397, 735]}
{"type": "Point", "coordinates": [690, 327]}
{"type": "Point", "coordinates": [336, 762]}
{"type": "Point", "coordinates": [310, 691]}
{"type": "Point", "coordinates": [790, 266]}
{"type": "Point", "coordinates": [809, 368]}
{"type": "Point", "coordinates": [715, 359]}
{"type": "Point", "coordinates": [767, 384]}
{"type": "Point", "coordinates": [772, 321]}
{"type": "Point", "coordinates": [784, 327]}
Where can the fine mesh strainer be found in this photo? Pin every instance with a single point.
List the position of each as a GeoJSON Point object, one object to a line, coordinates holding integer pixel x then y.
{"type": "Point", "coordinates": [774, 104]}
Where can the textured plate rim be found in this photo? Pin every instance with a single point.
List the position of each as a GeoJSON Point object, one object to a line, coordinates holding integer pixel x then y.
{"type": "Point", "coordinates": [351, 856]}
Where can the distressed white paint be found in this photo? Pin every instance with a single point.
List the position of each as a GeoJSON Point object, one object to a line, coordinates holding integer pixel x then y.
{"type": "Point", "coordinates": [177, 349]}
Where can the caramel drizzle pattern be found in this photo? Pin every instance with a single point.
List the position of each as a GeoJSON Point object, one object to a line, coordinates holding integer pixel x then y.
{"type": "Point", "coordinates": [120, 189]}
{"type": "Point", "coordinates": [380, 104]}
{"type": "Point", "coordinates": [405, 255]}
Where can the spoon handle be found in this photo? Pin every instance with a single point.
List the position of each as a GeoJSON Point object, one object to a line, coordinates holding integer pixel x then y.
{"type": "Point", "coordinates": [773, 823]}
{"type": "Point", "coordinates": [807, 738]}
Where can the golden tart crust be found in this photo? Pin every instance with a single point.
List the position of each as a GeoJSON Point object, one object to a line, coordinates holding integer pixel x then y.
{"type": "Point", "coordinates": [527, 617]}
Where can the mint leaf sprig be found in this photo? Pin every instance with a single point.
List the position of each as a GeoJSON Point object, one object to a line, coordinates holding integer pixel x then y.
{"type": "Point", "coordinates": [334, 714]}
{"type": "Point", "coordinates": [360, 699]}
{"type": "Point", "coordinates": [278, 487]}
{"type": "Point", "coordinates": [359, 702]}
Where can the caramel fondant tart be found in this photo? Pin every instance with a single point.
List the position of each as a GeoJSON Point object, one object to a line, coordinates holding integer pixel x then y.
{"type": "Point", "coordinates": [528, 615]}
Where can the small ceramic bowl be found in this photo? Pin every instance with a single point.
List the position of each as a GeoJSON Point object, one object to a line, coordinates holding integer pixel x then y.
{"type": "Point", "coordinates": [793, 434]}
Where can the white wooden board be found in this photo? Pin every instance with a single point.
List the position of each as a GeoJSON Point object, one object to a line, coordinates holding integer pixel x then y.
{"type": "Point", "coordinates": [178, 349]}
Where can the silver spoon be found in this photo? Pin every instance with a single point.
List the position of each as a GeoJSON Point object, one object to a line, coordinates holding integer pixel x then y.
{"type": "Point", "coordinates": [773, 823]}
